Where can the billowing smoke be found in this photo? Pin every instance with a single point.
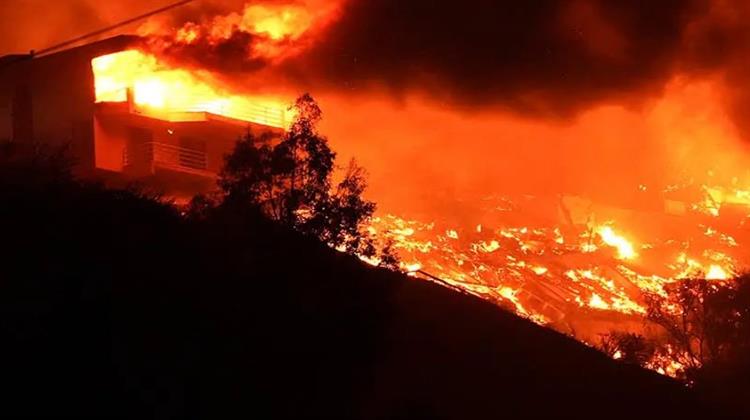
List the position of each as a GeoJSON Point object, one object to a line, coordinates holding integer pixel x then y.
{"type": "Point", "coordinates": [719, 41]}
{"type": "Point", "coordinates": [550, 58]}
{"type": "Point", "coordinates": [547, 58]}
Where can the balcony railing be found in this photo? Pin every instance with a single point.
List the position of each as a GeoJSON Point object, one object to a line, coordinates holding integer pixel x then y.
{"type": "Point", "coordinates": [152, 155]}
{"type": "Point", "coordinates": [248, 112]}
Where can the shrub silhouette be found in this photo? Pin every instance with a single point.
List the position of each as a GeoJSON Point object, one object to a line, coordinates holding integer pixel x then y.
{"type": "Point", "coordinates": [704, 325]}
{"type": "Point", "coordinates": [291, 182]}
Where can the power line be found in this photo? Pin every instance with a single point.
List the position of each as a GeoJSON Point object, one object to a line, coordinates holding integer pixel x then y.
{"type": "Point", "coordinates": [112, 27]}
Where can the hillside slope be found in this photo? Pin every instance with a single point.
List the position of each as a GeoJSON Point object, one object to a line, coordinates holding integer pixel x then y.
{"type": "Point", "coordinates": [112, 305]}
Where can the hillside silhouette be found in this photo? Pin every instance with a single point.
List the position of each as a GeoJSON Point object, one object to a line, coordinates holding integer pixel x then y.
{"type": "Point", "coordinates": [114, 305]}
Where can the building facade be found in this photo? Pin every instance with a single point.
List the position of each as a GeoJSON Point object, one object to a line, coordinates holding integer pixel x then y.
{"type": "Point", "coordinates": [52, 100]}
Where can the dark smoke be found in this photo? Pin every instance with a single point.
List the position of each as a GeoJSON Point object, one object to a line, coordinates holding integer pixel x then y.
{"type": "Point", "coordinates": [720, 40]}
{"type": "Point", "coordinates": [548, 57]}
{"type": "Point", "coordinates": [226, 56]}
{"type": "Point", "coordinates": [545, 58]}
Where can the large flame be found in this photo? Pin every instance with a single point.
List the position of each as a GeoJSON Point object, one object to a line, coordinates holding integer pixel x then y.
{"type": "Point", "coordinates": [278, 30]}
{"type": "Point", "coordinates": [276, 21]}
{"type": "Point", "coordinates": [170, 93]}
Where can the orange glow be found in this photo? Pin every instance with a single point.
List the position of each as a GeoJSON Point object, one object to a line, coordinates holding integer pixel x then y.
{"type": "Point", "coordinates": [598, 303]}
{"type": "Point", "coordinates": [515, 236]}
{"type": "Point", "coordinates": [624, 248]}
{"type": "Point", "coordinates": [716, 272]}
{"type": "Point", "coordinates": [174, 94]}
{"type": "Point", "coordinates": [291, 21]}
{"type": "Point", "coordinates": [280, 30]}
{"type": "Point", "coordinates": [503, 206]}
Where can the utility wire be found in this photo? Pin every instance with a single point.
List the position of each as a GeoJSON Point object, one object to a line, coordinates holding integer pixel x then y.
{"type": "Point", "coordinates": [112, 27]}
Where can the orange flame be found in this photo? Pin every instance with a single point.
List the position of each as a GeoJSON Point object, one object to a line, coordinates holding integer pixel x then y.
{"type": "Point", "coordinates": [624, 248]}
{"type": "Point", "coordinates": [279, 30]}
{"type": "Point", "coordinates": [170, 94]}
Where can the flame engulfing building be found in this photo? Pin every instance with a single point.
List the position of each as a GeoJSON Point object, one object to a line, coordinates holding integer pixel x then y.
{"type": "Point", "coordinates": [120, 129]}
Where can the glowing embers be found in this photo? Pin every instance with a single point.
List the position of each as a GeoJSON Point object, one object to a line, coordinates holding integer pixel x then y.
{"type": "Point", "coordinates": [624, 248]}
{"type": "Point", "coordinates": [713, 265]}
{"type": "Point", "coordinates": [174, 94]}
{"type": "Point", "coordinates": [558, 271]}
{"type": "Point", "coordinates": [716, 272]}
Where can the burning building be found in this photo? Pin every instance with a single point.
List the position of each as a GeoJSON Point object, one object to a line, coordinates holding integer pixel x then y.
{"type": "Point", "coordinates": [561, 160]}
{"type": "Point", "coordinates": [124, 117]}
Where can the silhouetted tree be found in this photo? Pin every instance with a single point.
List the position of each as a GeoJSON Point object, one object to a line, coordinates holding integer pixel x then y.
{"type": "Point", "coordinates": [696, 321]}
{"type": "Point", "coordinates": [706, 328]}
{"type": "Point", "coordinates": [388, 256]}
{"type": "Point", "coordinates": [291, 183]}
{"type": "Point", "coordinates": [251, 177]}
{"type": "Point", "coordinates": [337, 217]}
{"type": "Point", "coordinates": [704, 325]}
{"type": "Point", "coordinates": [725, 378]}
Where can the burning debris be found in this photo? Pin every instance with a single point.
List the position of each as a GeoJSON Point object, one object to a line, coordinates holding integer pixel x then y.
{"type": "Point", "coordinates": [583, 278]}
